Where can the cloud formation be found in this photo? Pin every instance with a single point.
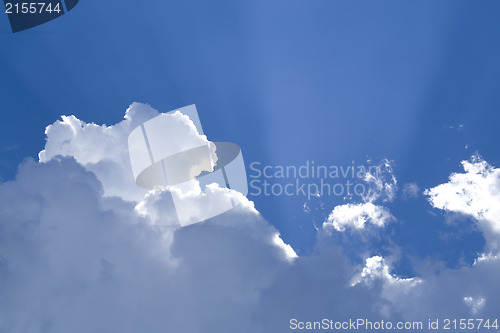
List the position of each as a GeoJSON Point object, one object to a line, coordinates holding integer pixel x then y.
{"type": "Point", "coordinates": [355, 216]}
{"type": "Point", "coordinates": [83, 249]}
{"type": "Point", "coordinates": [475, 193]}
{"type": "Point", "coordinates": [101, 149]}
{"type": "Point", "coordinates": [79, 255]}
{"type": "Point", "coordinates": [75, 261]}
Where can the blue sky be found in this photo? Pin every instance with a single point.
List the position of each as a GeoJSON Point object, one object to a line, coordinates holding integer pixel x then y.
{"type": "Point", "coordinates": [415, 82]}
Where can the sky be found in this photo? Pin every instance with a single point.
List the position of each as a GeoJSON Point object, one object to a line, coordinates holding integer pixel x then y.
{"type": "Point", "coordinates": [409, 86]}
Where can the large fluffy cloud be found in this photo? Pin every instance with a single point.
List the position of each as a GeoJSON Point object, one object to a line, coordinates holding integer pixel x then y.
{"type": "Point", "coordinates": [75, 261]}
{"type": "Point", "coordinates": [82, 249]}
{"type": "Point", "coordinates": [101, 149]}
{"type": "Point", "coordinates": [81, 252]}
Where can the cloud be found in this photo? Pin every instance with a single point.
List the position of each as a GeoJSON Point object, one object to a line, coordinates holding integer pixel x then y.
{"type": "Point", "coordinates": [410, 190]}
{"type": "Point", "coordinates": [81, 252]}
{"type": "Point", "coordinates": [475, 303]}
{"type": "Point", "coordinates": [462, 293]}
{"type": "Point", "coordinates": [475, 193]}
{"type": "Point", "coordinates": [101, 149]}
{"type": "Point", "coordinates": [377, 268]}
{"type": "Point", "coordinates": [381, 184]}
{"type": "Point", "coordinates": [79, 255]}
{"type": "Point", "coordinates": [190, 201]}
{"type": "Point", "coordinates": [356, 216]}
{"type": "Point", "coordinates": [453, 292]}
{"type": "Point", "coordinates": [75, 261]}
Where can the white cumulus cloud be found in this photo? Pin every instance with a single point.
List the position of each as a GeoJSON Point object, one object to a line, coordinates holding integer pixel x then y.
{"type": "Point", "coordinates": [356, 216]}
{"type": "Point", "coordinates": [101, 149]}
{"type": "Point", "coordinates": [476, 193]}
